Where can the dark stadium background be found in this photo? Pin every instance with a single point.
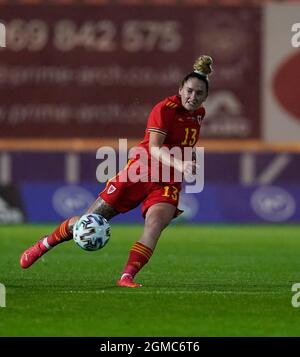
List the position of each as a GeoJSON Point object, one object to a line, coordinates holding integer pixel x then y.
{"type": "Point", "coordinates": [79, 75]}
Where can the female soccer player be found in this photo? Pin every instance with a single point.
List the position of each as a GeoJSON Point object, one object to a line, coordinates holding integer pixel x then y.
{"type": "Point", "coordinates": [174, 122]}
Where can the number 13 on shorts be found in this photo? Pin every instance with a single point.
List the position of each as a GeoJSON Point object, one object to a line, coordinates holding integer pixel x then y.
{"type": "Point", "coordinates": [171, 191]}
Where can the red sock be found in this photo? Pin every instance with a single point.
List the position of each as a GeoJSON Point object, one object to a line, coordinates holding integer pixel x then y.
{"type": "Point", "coordinates": [62, 233]}
{"type": "Point", "coordinates": [138, 256]}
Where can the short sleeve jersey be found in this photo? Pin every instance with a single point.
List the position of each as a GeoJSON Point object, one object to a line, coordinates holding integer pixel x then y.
{"type": "Point", "coordinates": [181, 127]}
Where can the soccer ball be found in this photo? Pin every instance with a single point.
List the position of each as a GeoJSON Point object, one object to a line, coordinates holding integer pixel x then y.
{"type": "Point", "coordinates": [91, 232]}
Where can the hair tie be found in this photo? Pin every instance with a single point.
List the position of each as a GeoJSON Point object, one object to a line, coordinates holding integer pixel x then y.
{"type": "Point", "coordinates": [201, 73]}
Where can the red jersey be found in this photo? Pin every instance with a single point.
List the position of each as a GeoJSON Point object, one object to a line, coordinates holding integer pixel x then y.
{"type": "Point", "coordinates": [170, 118]}
{"type": "Point", "coordinates": [182, 129]}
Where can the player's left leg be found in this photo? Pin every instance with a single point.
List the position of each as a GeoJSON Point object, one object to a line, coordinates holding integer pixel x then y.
{"type": "Point", "coordinates": [157, 218]}
{"type": "Point", "coordinates": [63, 233]}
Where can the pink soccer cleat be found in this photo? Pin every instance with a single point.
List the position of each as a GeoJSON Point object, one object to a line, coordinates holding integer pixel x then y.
{"type": "Point", "coordinates": [32, 254]}
{"type": "Point", "coordinates": [126, 281]}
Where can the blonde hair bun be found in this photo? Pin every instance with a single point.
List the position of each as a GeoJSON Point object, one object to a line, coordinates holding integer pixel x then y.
{"type": "Point", "coordinates": [203, 65]}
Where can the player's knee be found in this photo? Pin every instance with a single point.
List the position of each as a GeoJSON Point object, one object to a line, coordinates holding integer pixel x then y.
{"type": "Point", "coordinates": [157, 221]}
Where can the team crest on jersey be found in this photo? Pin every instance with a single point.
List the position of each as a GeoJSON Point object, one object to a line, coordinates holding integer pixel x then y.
{"type": "Point", "coordinates": [111, 189]}
{"type": "Point", "coordinates": [199, 118]}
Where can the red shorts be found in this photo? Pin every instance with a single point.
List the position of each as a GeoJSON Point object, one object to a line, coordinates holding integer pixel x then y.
{"type": "Point", "coordinates": [124, 196]}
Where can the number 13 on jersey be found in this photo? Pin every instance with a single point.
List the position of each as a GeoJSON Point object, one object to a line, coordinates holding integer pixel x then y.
{"type": "Point", "coordinates": [190, 137]}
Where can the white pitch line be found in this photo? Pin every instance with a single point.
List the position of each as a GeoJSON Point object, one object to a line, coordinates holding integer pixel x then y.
{"type": "Point", "coordinates": [140, 291]}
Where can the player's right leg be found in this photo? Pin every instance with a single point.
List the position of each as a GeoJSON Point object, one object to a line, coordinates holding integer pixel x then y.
{"type": "Point", "coordinates": [63, 233]}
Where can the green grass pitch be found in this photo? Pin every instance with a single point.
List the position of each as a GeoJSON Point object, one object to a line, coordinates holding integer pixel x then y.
{"type": "Point", "coordinates": [201, 281]}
